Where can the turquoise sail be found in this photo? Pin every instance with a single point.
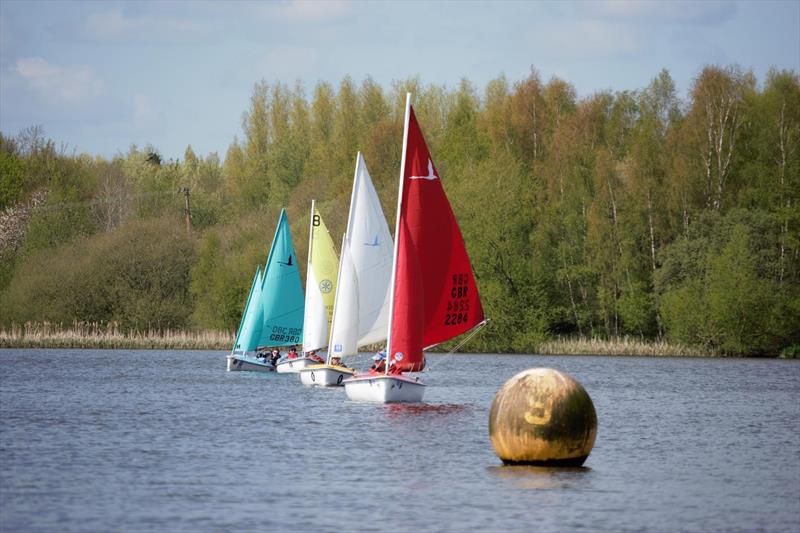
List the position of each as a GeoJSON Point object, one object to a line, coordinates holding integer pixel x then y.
{"type": "Point", "coordinates": [250, 326]}
{"type": "Point", "coordinates": [282, 299]}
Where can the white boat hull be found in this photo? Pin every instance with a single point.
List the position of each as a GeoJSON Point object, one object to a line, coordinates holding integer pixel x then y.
{"type": "Point", "coordinates": [293, 366]}
{"type": "Point", "coordinates": [247, 363]}
{"type": "Point", "coordinates": [324, 375]}
{"type": "Point", "coordinates": [384, 388]}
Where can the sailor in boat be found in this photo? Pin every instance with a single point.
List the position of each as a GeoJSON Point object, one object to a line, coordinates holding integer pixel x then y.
{"type": "Point", "coordinates": [314, 357]}
{"type": "Point", "coordinates": [337, 361]}
{"type": "Point", "coordinates": [379, 362]}
{"type": "Point", "coordinates": [292, 353]}
{"type": "Point", "coordinates": [275, 357]}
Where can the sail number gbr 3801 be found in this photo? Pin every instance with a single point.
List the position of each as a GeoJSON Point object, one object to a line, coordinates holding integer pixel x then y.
{"type": "Point", "coordinates": [458, 304]}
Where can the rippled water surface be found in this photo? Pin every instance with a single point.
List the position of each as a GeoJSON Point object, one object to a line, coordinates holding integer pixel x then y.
{"type": "Point", "coordinates": [94, 440]}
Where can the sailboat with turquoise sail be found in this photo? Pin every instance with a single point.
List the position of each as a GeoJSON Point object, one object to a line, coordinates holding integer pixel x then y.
{"type": "Point", "coordinates": [321, 275]}
{"type": "Point", "coordinates": [273, 314]}
{"type": "Point", "coordinates": [243, 355]}
{"type": "Point", "coordinates": [361, 310]}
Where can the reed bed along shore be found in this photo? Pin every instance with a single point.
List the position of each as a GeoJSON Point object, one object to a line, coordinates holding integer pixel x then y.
{"type": "Point", "coordinates": [620, 346]}
{"type": "Point", "coordinates": [110, 336]}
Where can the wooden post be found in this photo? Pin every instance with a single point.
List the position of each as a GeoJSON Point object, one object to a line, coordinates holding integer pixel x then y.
{"type": "Point", "coordinates": [187, 212]}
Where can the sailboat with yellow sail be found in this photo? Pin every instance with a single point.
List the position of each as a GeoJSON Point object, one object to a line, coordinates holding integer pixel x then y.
{"type": "Point", "coordinates": [321, 274]}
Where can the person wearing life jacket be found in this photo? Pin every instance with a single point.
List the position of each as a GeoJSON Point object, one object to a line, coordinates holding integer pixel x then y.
{"type": "Point", "coordinates": [314, 357]}
{"type": "Point", "coordinates": [275, 356]}
{"type": "Point", "coordinates": [292, 353]}
{"type": "Point", "coordinates": [379, 362]}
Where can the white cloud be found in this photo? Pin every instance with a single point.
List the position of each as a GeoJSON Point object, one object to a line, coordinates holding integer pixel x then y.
{"type": "Point", "coordinates": [708, 12]}
{"type": "Point", "coordinates": [589, 40]}
{"type": "Point", "coordinates": [144, 111]}
{"type": "Point", "coordinates": [313, 9]}
{"type": "Point", "coordinates": [286, 63]}
{"type": "Point", "coordinates": [300, 10]}
{"type": "Point", "coordinates": [114, 25]}
{"type": "Point", "coordinates": [59, 84]}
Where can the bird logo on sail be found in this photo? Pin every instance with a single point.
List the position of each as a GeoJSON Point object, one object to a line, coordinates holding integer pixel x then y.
{"type": "Point", "coordinates": [431, 174]}
{"type": "Point", "coordinates": [288, 262]}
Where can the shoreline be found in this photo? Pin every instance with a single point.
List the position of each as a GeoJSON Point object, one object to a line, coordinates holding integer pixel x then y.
{"type": "Point", "coordinates": [111, 337]}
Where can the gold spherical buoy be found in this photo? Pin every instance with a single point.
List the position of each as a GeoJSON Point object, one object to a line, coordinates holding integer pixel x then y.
{"type": "Point", "coordinates": [542, 417]}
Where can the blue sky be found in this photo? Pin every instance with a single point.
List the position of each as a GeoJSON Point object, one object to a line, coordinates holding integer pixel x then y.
{"type": "Point", "coordinates": [100, 76]}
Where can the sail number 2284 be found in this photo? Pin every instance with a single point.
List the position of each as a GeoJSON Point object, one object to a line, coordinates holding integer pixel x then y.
{"type": "Point", "coordinates": [458, 304]}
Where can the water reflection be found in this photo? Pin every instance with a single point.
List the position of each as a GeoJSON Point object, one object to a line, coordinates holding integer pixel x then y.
{"type": "Point", "coordinates": [423, 409]}
{"type": "Point", "coordinates": [531, 477]}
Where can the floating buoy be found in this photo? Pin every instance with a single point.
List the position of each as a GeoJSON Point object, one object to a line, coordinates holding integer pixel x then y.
{"type": "Point", "coordinates": [542, 417]}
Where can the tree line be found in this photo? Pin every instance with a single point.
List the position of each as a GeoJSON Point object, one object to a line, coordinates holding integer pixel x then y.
{"type": "Point", "coordinates": [632, 213]}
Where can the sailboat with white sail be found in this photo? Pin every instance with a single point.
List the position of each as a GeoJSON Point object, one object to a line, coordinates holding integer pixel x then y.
{"type": "Point", "coordinates": [273, 315]}
{"type": "Point", "coordinates": [321, 278]}
{"type": "Point", "coordinates": [433, 295]}
{"type": "Point", "coordinates": [361, 309]}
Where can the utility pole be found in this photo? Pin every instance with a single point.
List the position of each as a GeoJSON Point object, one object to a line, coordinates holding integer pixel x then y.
{"type": "Point", "coordinates": [187, 212]}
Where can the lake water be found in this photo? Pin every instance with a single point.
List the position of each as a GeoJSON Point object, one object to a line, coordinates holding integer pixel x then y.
{"type": "Point", "coordinates": [94, 440]}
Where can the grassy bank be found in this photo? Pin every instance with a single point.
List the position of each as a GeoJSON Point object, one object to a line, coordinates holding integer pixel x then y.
{"type": "Point", "coordinates": [110, 336]}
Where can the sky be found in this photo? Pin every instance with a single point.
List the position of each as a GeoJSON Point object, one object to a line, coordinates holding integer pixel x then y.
{"type": "Point", "coordinates": [100, 76]}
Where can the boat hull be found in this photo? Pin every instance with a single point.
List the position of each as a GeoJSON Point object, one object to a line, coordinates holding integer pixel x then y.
{"type": "Point", "coordinates": [293, 366]}
{"type": "Point", "coordinates": [324, 375]}
{"type": "Point", "coordinates": [248, 364]}
{"type": "Point", "coordinates": [384, 388]}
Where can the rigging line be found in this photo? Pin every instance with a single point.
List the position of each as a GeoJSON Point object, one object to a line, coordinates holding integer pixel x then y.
{"type": "Point", "coordinates": [466, 339]}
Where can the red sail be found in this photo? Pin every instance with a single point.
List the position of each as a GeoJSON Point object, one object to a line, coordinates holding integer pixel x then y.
{"type": "Point", "coordinates": [435, 296]}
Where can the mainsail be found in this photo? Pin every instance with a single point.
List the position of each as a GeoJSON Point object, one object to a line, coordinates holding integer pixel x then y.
{"type": "Point", "coordinates": [435, 296]}
{"type": "Point", "coordinates": [282, 292]}
{"type": "Point", "coordinates": [361, 315]}
{"type": "Point", "coordinates": [250, 325]}
{"type": "Point", "coordinates": [321, 277]}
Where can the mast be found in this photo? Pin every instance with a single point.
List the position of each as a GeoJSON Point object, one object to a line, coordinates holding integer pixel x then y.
{"type": "Point", "coordinates": [397, 232]}
{"type": "Point", "coordinates": [310, 248]}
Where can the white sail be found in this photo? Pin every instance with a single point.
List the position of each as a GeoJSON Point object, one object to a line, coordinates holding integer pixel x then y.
{"type": "Point", "coordinates": [366, 270]}
{"type": "Point", "coordinates": [344, 337]}
{"type": "Point", "coordinates": [315, 322]}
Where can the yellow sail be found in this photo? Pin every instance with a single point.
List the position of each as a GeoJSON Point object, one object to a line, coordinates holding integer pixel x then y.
{"type": "Point", "coordinates": [323, 268]}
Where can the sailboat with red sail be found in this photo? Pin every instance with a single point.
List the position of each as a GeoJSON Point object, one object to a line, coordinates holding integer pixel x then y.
{"type": "Point", "coordinates": [434, 297]}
